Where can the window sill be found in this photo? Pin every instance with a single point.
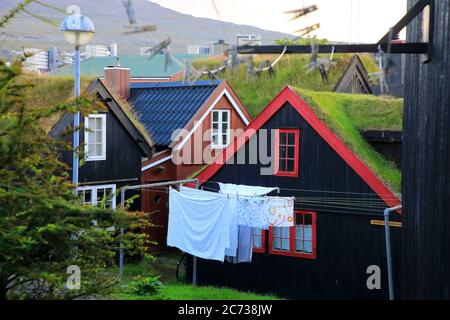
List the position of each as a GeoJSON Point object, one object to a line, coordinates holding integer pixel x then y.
{"type": "Point", "coordinates": [95, 159]}
{"type": "Point", "coordinates": [286, 174]}
{"type": "Point", "coordinates": [290, 254]}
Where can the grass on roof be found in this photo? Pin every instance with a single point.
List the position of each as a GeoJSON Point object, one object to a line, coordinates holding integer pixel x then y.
{"type": "Point", "coordinates": [258, 91]}
{"type": "Point", "coordinates": [349, 115]}
{"type": "Point", "coordinates": [50, 91]}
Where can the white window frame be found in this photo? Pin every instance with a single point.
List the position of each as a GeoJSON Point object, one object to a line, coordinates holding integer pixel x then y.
{"type": "Point", "coordinates": [220, 133]}
{"type": "Point", "coordinates": [94, 189]}
{"type": "Point", "coordinates": [86, 137]}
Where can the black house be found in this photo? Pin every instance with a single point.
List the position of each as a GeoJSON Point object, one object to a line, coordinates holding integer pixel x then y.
{"type": "Point", "coordinates": [114, 145]}
{"type": "Point", "coordinates": [338, 237]}
{"type": "Point", "coordinates": [355, 78]}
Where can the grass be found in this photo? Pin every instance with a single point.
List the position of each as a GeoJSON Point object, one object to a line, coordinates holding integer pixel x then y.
{"type": "Point", "coordinates": [165, 265]}
{"type": "Point", "coordinates": [258, 91]}
{"type": "Point", "coordinates": [189, 292]}
{"type": "Point", "coordinates": [50, 91]}
{"type": "Point", "coordinates": [349, 115]}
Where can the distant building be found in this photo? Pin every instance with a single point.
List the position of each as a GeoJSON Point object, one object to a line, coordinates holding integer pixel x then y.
{"type": "Point", "coordinates": [142, 69]}
{"type": "Point", "coordinates": [37, 61]}
{"type": "Point", "coordinates": [100, 50]}
{"type": "Point", "coordinates": [248, 40]}
{"type": "Point", "coordinates": [219, 47]}
{"type": "Point", "coordinates": [197, 49]}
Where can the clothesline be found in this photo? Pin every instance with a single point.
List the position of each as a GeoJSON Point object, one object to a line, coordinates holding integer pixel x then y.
{"type": "Point", "coordinates": [387, 196]}
{"type": "Point", "coordinates": [318, 203]}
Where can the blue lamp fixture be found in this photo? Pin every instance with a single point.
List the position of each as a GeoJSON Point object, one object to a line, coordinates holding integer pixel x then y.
{"type": "Point", "coordinates": [78, 31]}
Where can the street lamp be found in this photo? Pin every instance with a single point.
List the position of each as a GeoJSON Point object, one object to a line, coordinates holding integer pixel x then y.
{"type": "Point", "coordinates": [78, 31]}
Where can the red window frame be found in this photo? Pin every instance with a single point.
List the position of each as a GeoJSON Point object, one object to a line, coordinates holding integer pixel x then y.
{"type": "Point", "coordinates": [292, 252]}
{"type": "Point", "coordinates": [263, 243]}
{"type": "Point", "coordinates": [296, 133]}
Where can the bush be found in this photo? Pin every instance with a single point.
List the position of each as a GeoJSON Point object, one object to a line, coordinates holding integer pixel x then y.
{"type": "Point", "coordinates": [145, 286]}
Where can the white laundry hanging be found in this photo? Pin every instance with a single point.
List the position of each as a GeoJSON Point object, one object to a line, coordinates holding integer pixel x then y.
{"type": "Point", "coordinates": [244, 190]}
{"type": "Point", "coordinates": [233, 203]}
{"type": "Point", "coordinates": [199, 226]}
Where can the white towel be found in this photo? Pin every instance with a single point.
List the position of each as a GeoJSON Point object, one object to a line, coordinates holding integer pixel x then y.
{"type": "Point", "coordinates": [199, 226]}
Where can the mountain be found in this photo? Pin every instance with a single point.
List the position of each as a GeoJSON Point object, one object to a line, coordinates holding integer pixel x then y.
{"type": "Point", "coordinates": [109, 17]}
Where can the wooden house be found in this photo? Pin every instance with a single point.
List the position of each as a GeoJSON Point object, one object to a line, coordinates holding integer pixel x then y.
{"type": "Point", "coordinates": [114, 145]}
{"type": "Point", "coordinates": [338, 233]}
{"type": "Point", "coordinates": [189, 124]}
{"type": "Point", "coordinates": [355, 78]}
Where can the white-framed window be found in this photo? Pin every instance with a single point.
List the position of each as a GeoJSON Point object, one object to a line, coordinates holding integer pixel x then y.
{"type": "Point", "coordinates": [101, 195]}
{"type": "Point", "coordinates": [220, 128]}
{"type": "Point", "coordinates": [95, 137]}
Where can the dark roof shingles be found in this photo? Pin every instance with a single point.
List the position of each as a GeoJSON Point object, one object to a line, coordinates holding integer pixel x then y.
{"type": "Point", "coordinates": [165, 107]}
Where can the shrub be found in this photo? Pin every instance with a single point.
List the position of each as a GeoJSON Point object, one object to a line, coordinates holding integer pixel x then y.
{"type": "Point", "coordinates": [145, 286]}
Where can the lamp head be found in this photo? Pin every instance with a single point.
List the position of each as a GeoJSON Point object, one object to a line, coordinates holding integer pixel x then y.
{"type": "Point", "coordinates": [78, 29]}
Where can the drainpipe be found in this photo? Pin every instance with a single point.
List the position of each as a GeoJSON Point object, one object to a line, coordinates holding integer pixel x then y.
{"type": "Point", "coordinates": [387, 211]}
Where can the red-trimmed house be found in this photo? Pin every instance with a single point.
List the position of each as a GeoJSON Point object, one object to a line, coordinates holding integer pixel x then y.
{"type": "Point", "coordinates": [338, 232]}
{"type": "Point", "coordinates": [209, 113]}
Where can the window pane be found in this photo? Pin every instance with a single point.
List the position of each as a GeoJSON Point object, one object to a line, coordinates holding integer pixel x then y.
{"type": "Point", "coordinates": [282, 165]}
{"type": "Point", "coordinates": [299, 246]}
{"type": "Point", "coordinates": [282, 138]}
{"type": "Point", "coordinates": [215, 125]}
{"type": "Point", "coordinates": [215, 116]}
{"type": "Point", "coordinates": [225, 116]}
{"type": "Point", "coordinates": [283, 152]}
{"type": "Point", "coordinates": [98, 150]}
{"type": "Point", "coordinates": [285, 232]}
{"type": "Point", "coordinates": [90, 150]}
{"type": "Point", "coordinates": [290, 166]}
{"type": "Point", "coordinates": [225, 127]}
{"type": "Point", "coordinates": [285, 244]}
{"type": "Point", "coordinates": [291, 138]}
{"type": "Point", "coordinates": [98, 137]}
{"type": "Point", "coordinates": [291, 152]}
{"type": "Point", "coordinates": [308, 219]}
{"type": "Point", "coordinates": [91, 123]}
{"type": "Point", "coordinates": [307, 246]}
{"type": "Point", "coordinates": [224, 139]}
{"type": "Point", "coordinates": [98, 124]}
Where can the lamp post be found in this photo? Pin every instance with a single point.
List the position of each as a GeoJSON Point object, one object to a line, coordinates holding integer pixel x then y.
{"type": "Point", "coordinates": [78, 31]}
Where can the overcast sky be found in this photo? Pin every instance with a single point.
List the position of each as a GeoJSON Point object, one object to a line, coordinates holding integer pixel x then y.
{"type": "Point", "coordinates": [341, 20]}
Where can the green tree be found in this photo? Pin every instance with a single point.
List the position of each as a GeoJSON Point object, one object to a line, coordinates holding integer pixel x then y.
{"type": "Point", "coordinates": [43, 228]}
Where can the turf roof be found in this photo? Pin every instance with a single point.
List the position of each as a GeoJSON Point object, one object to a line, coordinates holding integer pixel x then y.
{"type": "Point", "coordinates": [348, 116]}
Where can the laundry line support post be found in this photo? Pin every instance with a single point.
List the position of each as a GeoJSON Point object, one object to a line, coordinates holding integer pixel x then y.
{"type": "Point", "coordinates": [194, 258]}
{"type": "Point", "coordinates": [122, 204]}
{"type": "Point", "coordinates": [149, 185]}
{"type": "Point", "coordinates": [388, 249]}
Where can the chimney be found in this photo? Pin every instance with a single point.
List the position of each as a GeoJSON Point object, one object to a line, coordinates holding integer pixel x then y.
{"type": "Point", "coordinates": [117, 79]}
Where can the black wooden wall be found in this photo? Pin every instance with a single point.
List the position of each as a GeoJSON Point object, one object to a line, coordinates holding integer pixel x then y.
{"type": "Point", "coordinates": [426, 174]}
{"type": "Point", "coordinates": [123, 157]}
{"type": "Point", "coordinates": [346, 241]}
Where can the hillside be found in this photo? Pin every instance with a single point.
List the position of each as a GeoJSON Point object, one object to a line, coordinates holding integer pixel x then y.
{"type": "Point", "coordinates": [257, 92]}
{"type": "Point", "coordinates": [109, 17]}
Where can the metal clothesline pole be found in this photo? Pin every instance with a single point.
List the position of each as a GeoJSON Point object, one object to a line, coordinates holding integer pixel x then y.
{"type": "Point", "coordinates": [194, 258]}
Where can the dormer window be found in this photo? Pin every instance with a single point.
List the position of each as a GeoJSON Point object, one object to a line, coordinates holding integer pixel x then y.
{"type": "Point", "coordinates": [95, 137]}
{"type": "Point", "coordinates": [220, 129]}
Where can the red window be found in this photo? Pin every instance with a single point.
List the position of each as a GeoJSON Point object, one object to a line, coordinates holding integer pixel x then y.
{"type": "Point", "coordinates": [286, 152]}
{"type": "Point", "coordinates": [259, 240]}
{"type": "Point", "coordinates": [296, 241]}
